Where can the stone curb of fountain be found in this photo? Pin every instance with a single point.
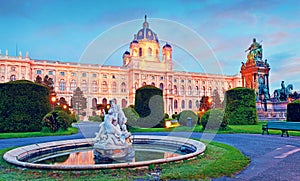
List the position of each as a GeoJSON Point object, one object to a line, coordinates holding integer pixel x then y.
{"type": "Point", "coordinates": [16, 156]}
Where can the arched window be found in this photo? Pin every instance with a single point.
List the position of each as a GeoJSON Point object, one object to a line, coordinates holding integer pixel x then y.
{"type": "Point", "coordinates": [144, 83]}
{"type": "Point", "coordinates": [181, 90]}
{"type": "Point", "coordinates": [114, 87]}
{"type": "Point", "coordinates": [73, 85]}
{"type": "Point", "coordinates": [190, 90]}
{"type": "Point", "coordinates": [203, 90]}
{"type": "Point", "coordinates": [197, 90]}
{"type": "Point", "coordinates": [197, 104]}
{"type": "Point", "coordinates": [175, 104]}
{"type": "Point", "coordinates": [95, 86]}
{"type": "Point", "coordinates": [104, 86]}
{"type": "Point", "coordinates": [84, 86]}
{"type": "Point", "coordinates": [13, 78]}
{"type": "Point", "coordinates": [190, 104]}
{"type": "Point", "coordinates": [123, 87]}
{"type": "Point", "coordinates": [135, 52]}
{"type": "Point", "coordinates": [124, 102]}
{"type": "Point", "coordinates": [94, 102]}
{"type": "Point", "coordinates": [140, 52]}
{"type": "Point", "coordinates": [62, 85]}
{"type": "Point", "coordinates": [182, 104]}
{"type": "Point", "coordinates": [161, 86]}
{"type": "Point", "coordinates": [2, 79]}
{"type": "Point", "coordinates": [149, 51]}
{"type": "Point", "coordinates": [104, 101]}
{"type": "Point", "coordinates": [175, 89]}
{"type": "Point", "coordinates": [153, 84]}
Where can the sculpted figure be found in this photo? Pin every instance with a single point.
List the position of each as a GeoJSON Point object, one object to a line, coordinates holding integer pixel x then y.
{"type": "Point", "coordinates": [113, 131]}
{"type": "Point", "coordinates": [255, 51]}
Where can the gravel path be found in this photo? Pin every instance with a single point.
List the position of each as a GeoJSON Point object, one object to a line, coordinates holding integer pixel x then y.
{"type": "Point", "coordinates": [272, 157]}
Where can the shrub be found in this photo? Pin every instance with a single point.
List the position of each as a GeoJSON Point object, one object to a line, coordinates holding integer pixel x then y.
{"type": "Point", "coordinates": [132, 117]}
{"type": "Point", "coordinates": [50, 124]}
{"type": "Point", "coordinates": [166, 116]}
{"type": "Point", "coordinates": [149, 105]}
{"type": "Point", "coordinates": [57, 120]}
{"type": "Point", "coordinates": [293, 111]}
{"type": "Point", "coordinates": [182, 118]}
{"type": "Point", "coordinates": [214, 119]}
{"type": "Point", "coordinates": [175, 116]}
{"type": "Point", "coordinates": [240, 105]}
{"type": "Point", "coordinates": [23, 104]}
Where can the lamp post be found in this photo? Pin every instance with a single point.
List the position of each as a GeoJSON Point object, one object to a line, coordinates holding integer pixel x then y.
{"type": "Point", "coordinates": [53, 101]}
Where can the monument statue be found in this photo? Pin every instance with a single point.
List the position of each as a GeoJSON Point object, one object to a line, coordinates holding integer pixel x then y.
{"type": "Point", "coordinates": [255, 52]}
{"type": "Point", "coordinates": [262, 89]}
{"type": "Point", "coordinates": [113, 141]}
{"type": "Point", "coordinates": [283, 93]}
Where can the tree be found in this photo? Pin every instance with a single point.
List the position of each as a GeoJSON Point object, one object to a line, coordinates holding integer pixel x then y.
{"type": "Point", "coordinates": [216, 100]}
{"type": "Point", "coordinates": [79, 102]}
{"type": "Point", "coordinates": [205, 104]}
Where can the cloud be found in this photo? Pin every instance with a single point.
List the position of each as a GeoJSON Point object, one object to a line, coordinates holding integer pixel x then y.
{"type": "Point", "coordinates": [288, 71]}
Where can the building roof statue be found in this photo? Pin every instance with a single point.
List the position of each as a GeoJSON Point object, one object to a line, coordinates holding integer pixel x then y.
{"type": "Point", "coordinates": [255, 51]}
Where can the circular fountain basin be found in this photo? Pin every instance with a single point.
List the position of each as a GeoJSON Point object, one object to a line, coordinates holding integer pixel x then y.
{"type": "Point", "coordinates": [176, 148]}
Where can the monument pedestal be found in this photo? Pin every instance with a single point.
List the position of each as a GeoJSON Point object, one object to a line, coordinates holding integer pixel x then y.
{"type": "Point", "coordinates": [275, 110]}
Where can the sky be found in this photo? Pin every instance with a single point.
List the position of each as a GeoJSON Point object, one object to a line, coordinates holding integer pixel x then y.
{"type": "Point", "coordinates": [65, 30]}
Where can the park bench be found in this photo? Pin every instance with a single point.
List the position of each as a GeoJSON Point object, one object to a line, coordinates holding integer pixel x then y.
{"type": "Point", "coordinates": [281, 125]}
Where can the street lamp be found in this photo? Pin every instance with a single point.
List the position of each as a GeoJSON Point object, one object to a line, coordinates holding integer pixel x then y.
{"type": "Point", "coordinates": [65, 107]}
{"type": "Point", "coordinates": [53, 101]}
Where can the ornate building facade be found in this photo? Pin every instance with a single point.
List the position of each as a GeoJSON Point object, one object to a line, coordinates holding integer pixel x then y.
{"type": "Point", "coordinates": [141, 65]}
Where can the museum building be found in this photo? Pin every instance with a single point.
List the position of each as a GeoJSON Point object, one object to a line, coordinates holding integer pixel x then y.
{"type": "Point", "coordinates": [146, 63]}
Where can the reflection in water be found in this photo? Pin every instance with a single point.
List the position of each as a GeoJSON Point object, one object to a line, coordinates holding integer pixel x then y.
{"type": "Point", "coordinates": [86, 157]}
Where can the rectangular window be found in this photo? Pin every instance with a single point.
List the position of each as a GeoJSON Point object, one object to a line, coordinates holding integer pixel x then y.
{"type": "Point", "coordinates": [62, 73]}
{"type": "Point", "coordinates": [94, 75]}
{"type": "Point", "coordinates": [73, 74]}
{"type": "Point", "coordinates": [83, 74]}
{"type": "Point", "coordinates": [104, 76]}
{"type": "Point", "coordinates": [39, 72]}
{"type": "Point", "coordinates": [50, 72]}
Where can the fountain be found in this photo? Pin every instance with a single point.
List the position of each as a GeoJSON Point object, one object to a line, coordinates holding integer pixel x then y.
{"type": "Point", "coordinates": [113, 147]}
{"type": "Point", "coordinates": [113, 141]}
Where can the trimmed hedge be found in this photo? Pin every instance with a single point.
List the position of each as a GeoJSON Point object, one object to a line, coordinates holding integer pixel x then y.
{"type": "Point", "coordinates": [132, 117]}
{"type": "Point", "coordinates": [214, 119]}
{"type": "Point", "coordinates": [149, 105]}
{"type": "Point", "coordinates": [182, 118]}
{"type": "Point", "coordinates": [240, 105]}
{"type": "Point", "coordinates": [293, 111]}
{"type": "Point", "coordinates": [23, 104]}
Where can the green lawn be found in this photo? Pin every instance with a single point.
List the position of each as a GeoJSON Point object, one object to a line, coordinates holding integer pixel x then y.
{"type": "Point", "coordinates": [71, 130]}
{"type": "Point", "coordinates": [232, 129]}
{"type": "Point", "coordinates": [218, 160]}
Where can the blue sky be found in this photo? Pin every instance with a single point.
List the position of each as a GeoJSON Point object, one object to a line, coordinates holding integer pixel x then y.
{"type": "Point", "coordinates": [62, 30]}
